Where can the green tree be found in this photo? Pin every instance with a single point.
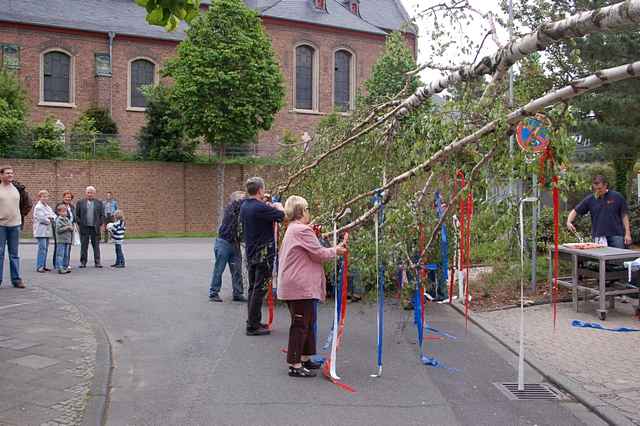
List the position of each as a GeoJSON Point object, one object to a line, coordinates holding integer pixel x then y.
{"type": "Point", "coordinates": [169, 13]}
{"type": "Point", "coordinates": [13, 109]}
{"type": "Point", "coordinates": [388, 73]}
{"type": "Point", "coordinates": [163, 138]}
{"type": "Point", "coordinates": [228, 85]}
{"type": "Point", "coordinates": [362, 165]}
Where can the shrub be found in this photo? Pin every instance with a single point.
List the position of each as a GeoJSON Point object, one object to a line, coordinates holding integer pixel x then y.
{"type": "Point", "coordinates": [49, 140]}
{"type": "Point", "coordinates": [102, 120]}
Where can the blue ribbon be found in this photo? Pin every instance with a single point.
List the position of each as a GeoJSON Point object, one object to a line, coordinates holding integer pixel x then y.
{"type": "Point", "coordinates": [595, 325]}
{"type": "Point", "coordinates": [377, 199]}
{"type": "Point", "coordinates": [442, 333]}
{"type": "Point", "coordinates": [444, 242]}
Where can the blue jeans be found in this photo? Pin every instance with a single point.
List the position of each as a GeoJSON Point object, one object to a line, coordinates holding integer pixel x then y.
{"type": "Point", "coordinates": [10, 237]}
{"type": "Point", "coordinates": [119, 254]}
{"type": "Point", "coordinates": [62, 255]}
{"type": "Point", "coordinates": [616, 241]}
{"type": "Point", "coordinates": [224, 253]}
{"type": "Point", "coordinates": [43, 249]}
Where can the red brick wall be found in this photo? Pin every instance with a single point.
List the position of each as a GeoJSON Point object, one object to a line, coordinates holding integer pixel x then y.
{"type": "Point", "coordinates": [112, 92]}
{"type": "Point", "coordinates": [154, 196]}
{"type": "Point", "coordinates": [285, 35]}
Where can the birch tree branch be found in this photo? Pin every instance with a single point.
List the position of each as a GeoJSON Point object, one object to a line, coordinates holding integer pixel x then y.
{"type": "Point", "coordinates": [575, 89]}
{"type": "Point", "coordinates": [606, 19]}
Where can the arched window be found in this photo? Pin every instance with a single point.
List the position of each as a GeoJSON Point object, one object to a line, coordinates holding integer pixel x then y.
{"type": "Point", "coordinates": [342, 81]}
{"type": "Point", "coordinates": [304, 77]}
{"type": "Point", "coordinates": [142, 73]}
{"type": "Point", "coordinates": [56, 77]}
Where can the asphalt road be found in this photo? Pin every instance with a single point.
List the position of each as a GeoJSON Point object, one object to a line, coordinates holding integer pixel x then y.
{"type": "Point", "coordinates": [181, 360]}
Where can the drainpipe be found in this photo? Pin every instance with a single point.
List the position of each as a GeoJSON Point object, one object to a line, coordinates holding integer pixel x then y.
{"type": "Point", "coordinates": [111, 36]}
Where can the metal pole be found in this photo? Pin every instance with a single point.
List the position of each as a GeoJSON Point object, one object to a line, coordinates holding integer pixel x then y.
{"type": "Point", "coordinates": [521, 351]}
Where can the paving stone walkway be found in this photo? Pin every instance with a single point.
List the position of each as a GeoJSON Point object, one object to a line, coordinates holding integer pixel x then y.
{"type": "Point", "coordinates": [47, 359]}
{"type": "Point", "coordinates": [602, 363]}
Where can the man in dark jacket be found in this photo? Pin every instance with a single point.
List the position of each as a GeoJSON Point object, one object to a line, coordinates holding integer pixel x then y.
{"type": "Point", "coordinates": [257, 218]}
{"type": "Point", "coordinates": [90, 217]}
{"type": "Point", "coordinates": [227, 250]}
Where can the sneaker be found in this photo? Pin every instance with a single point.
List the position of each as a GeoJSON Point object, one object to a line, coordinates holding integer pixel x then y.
{"type": "Point", "coordinates": [263, 326]}
{"type": "Point", "coordinates": [18, 284]}
{"type": "Point", "coordinates": [258, 332]}
{"type": "Point", "coordinates": [119, 266]}
{"type": "Point", "coordinates": [239, 298]}
{"type": "Point", "coordinates": [41, 270]}
{"type": "Point", "coordinates": [114, 265]}
{"type": "Point", "coordinates": [82, 265]}
{"type": "Point", "coordinates": [215, 298]}
{"type": "Point", "coordinates": [47, 269]}
{"type": "Point", "coordinates": [98, 265]}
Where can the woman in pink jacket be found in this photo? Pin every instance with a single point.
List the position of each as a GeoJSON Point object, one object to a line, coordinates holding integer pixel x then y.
{"type": "Point", "coordinates": [300, 282]}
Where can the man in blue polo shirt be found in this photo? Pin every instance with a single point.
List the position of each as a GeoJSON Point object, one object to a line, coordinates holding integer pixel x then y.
{"type": "Point", "coordinates": [609, 215]}
{"type": "Point", "coordinates": [257, 218]}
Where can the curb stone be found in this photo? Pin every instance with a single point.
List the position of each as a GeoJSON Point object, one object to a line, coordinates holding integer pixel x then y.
{"type": "Point", "coordinates": [95, 413]}
{"type": "Point", "coordinates": [553, 376]}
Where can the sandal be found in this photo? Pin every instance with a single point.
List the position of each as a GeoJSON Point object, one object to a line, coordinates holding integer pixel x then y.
{"type": "Point", "coordinates": [310, 365]}
{"type": "Point", "coordinates": [301, 372]}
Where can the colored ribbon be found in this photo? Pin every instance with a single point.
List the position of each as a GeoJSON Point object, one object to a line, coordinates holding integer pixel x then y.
{"type": "Point", "coordinates": [548, 157]}
{"type": "Point", "coordinates": [273, 282]}
{"type": "Point", "coordinates": [466, 217]}
{"type": "Point", "coordinates": [444, 242]}
{"type": "Point", "coordinates": [340, 314]}
{"type": "Point", "coordinates": [378, 221]}
{"type": "Point", "coordinates": [556, 233]}
{"type": "Point", "coordinates": [595, 325]}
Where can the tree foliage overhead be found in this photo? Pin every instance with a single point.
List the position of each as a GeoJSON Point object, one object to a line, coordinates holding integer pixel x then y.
{"type": "Point", "coordinates": [228, 85]}
{"type": "Point", "coordinates": [163, 138]}
{"type": "Point", "coordinates": [169, 13]}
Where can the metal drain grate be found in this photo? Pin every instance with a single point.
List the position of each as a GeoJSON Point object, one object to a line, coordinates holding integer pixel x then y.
{"type": "Point", "coordinates": [531, 392]}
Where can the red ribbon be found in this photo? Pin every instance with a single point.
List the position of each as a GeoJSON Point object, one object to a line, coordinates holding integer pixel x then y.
{"type": "Point", "coordinates": [270, 298]}
{"type": "Point", "coordinates": [343, 314]}
{"type": "Point", "coordinates": [548, 157]}
{"type": "Point", "coordinates": [556, 233]}
{"type": "Point", "coordinates": [466, 217]}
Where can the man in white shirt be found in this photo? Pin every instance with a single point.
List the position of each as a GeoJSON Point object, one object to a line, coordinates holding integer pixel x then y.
{"type": "Point", "coordinates": [10, 221]}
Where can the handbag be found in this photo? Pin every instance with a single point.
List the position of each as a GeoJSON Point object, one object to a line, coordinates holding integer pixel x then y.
{"type": "Point", "coordinates": [76, 235]}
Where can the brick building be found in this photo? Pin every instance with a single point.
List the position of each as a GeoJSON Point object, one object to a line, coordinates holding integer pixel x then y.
{"type": "Point", "coordinates": [71, 54]}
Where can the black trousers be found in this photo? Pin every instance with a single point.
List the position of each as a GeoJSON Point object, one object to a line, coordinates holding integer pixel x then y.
{"type": "Point", "coordinates": [259, 275]}
{"type": "Point", "coordinates": [302, 337]}
{"type": "Point", "coordinates": [89, 234]}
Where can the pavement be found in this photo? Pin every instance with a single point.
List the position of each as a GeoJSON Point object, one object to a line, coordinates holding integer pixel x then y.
{"type": "Point", "coordinates": [179, 359]}
{"type": "Point", "coordinates": [47, 359]}
{"type": "Point", "coordinates": [600, 367]}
